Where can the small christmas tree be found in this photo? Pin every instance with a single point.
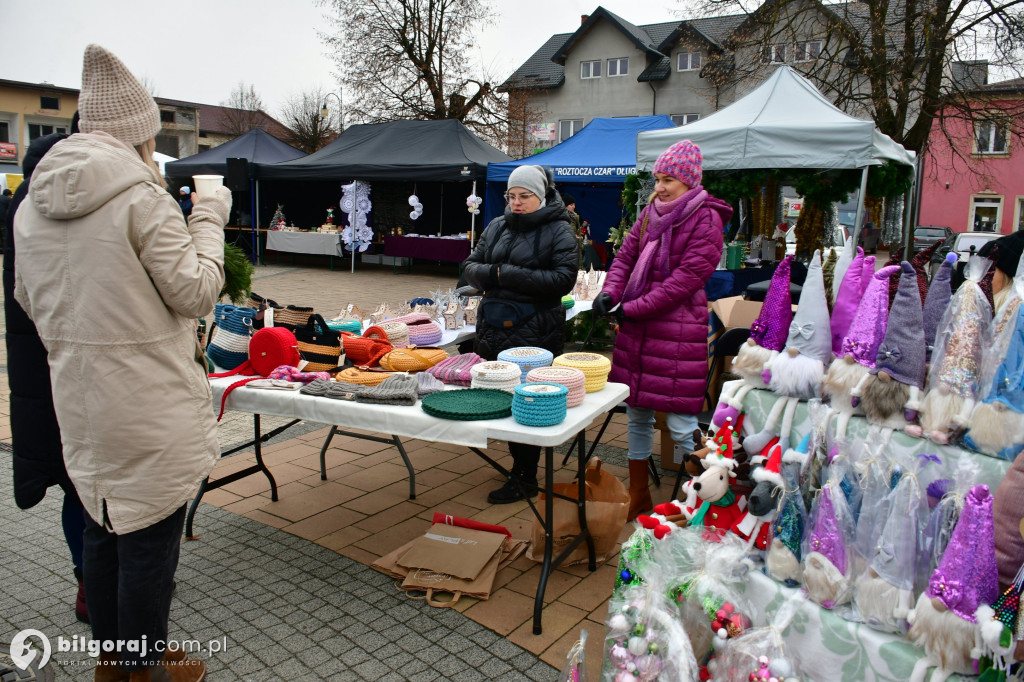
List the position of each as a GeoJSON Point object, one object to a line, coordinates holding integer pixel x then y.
{"type": "Point", "coordinates": [278, 221]}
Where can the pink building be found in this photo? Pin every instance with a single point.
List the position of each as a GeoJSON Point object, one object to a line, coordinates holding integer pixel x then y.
{"type": "Point", "coordinates": [973, 180]}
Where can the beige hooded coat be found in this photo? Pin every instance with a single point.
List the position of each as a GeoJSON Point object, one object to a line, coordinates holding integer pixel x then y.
{"type": "Point", "coordinates": [113, 279]}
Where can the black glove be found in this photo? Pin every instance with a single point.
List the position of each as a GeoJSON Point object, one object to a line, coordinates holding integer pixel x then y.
{"type": "Point", "coordinates": [603, 303]}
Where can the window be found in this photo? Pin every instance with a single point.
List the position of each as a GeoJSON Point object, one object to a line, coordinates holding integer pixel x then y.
{"type": "Point", "coordinates": [807, 51]}
{"type": "Point", "coordinates": [1020, 214]}
{"type": "Point", "coordinates": [49, 103]}
{"type": "Point", "coordinates": [683, 119]}
{"type": "Point", "coordinates": [5, 131]}
{"type": "Point", "coordinates": [774, 54]}
{"type": "Point", "coordinates": [986, 213]}
{"type": "Point", "coordinates": [990, 137]}
{"type": "Point", "coordinates": [38, 130]}
{"type": "Point", "coordinates": [688, 61]}
{"type": "Point", "coordinates": [618, 67]}
{"type": "Point", "coordinates": [567, 129]}
{"type": "Point", "coordinates": [590, 69]}
{"type": "Point", "coordinates": [166, 116]}
{"type": "Point", "coordinates": [204, 147]}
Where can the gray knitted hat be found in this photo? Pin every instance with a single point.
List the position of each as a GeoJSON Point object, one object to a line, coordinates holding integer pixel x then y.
{"type": "Point", "coordinates": [939, 293]}
{"type": "Point", "coordinates": [399, 389]}
{"type": "Point", "coordinates": [428, 383]}
{"type": "Point", "coordinates": [114, 101]}
{"type": "Point", "coordinates": [901, 354]}
{"type": "Point", "coordinates": [532, 178]}
{"type": "Point", "coordinates": [810, 332]}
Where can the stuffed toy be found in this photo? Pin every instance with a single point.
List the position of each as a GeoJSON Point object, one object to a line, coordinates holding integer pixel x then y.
{"type": "Point", "coordinates": [956, 360]}
{"type": "Point", "coordinates": [847, 299]}
{"type": "Point", "coordinates": [826, 568]}
{"type": "Point", "coordinates": [767, 339]}
{"type": "Point", "coordinates": [719, 506]}
{"type": "Point", "coordinates": [797, 373]}
{"type": "Point", "coordinates": [763, 501]}
{"type": "Point", "coordinates": [842, 264]}
{"type": "Point", "coordinates": [891, 391]}
{"type": "Point", "coordinates": [936, 302]}
{"type": "Point", "coordinates": [782, 561]}
{"type": "Point", "coordinates": [856, 356]}
{"type": "Point", "coordinates": [944, 622]}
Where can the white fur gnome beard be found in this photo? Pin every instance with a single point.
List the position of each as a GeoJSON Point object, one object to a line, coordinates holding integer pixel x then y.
{"type": "Point", "coordinates": [796, 377]}
{"type": "Point", "coordinates": [940, 412]}
{"type": "Point", "coordinates": [825, 584]}
{"type": "Point", "coordinates": [881, 604]}
{"type": "Point", "coordinates": [947, 640]}
{"type": "Point", "coordinates": [781, 563]}
{"type": "Point", "coordinates": [840, 381]}
{"type": "Point", "coordinates": [751, 362]}
{"type": "Point", "coordinates": [995, 428]}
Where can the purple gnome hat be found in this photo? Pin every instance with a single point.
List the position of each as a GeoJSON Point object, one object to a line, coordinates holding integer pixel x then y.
{"type": "Point", "coordinates": [869, 324]}
{"type": "Point", "coordinates": [967, 575]}
{"type": "Point", "coordinates": [847, 298]}
{"type": "Point", "coordinates": [826, 536]}
{"type": "Point", "coordinates": [937, 301]}
{"type": "Point", "coordinates": [901, 354]}
{"type": "Point", "coordinates": [771, 327]}
{"type": "Point", "coordinates": [869, 271]}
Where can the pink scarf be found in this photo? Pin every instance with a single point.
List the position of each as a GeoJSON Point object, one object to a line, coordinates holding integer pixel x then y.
{"type": "Point", "coordinates": [656, 242]}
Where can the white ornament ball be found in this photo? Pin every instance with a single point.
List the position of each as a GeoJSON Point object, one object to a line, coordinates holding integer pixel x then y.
{"type": "Point", "coordinates": [637, 646]}
{"type": "Point", "coordinates": [413, 200]}
{"type": "Point", "coordinates": [419, 207]}
{"type": "Point", "coordinates": [781, 667]}
{"type": "Point", "coordinates": [618, 655]}
{"type": "Point", "coordinates": [618, 625]}
{"type": "Point", "coordinates": [414, 215]}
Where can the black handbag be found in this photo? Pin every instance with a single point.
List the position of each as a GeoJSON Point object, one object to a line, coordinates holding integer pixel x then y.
{"type": "Point", "coordinates": [319, 345]}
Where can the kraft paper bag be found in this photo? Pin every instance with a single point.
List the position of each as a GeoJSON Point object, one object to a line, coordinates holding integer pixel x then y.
{"type": "Point", "coordinates": [433, 583]}
{"type": "Point", "coordinates": [607, 509]}
{"type": "Point", "coordinates": [459, 552]}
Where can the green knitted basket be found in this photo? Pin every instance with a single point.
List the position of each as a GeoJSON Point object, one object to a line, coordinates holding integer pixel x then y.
{"type": "Point", "coordinates": [468, 404]}
{"type": "Point", "coordinates": [568, 301]}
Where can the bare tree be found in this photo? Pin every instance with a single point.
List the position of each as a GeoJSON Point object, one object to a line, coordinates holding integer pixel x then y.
{"type": "Point", "coordinates": [905, 63]}
{"type": "Point", "coordinates": [149, 84]}
{"type": "Point", "coordinates": [303, 114]}
{"type": "Point", "coordinates": [520, 113]}
{"type": "Point", "coordinates": [243, 110]}
{"type": "Point", "coordinates": [410, 59]}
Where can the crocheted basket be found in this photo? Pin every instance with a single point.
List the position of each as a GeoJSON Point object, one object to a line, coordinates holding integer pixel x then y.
{"type": "Point", "coordinates": [292, 316]}
{"type": "Point", "coordinates": [468, 404]}
{"type": "Point", "coordinates": [594, 367]}
{"type": "Point", "coordinates": [412, 359]}
{"type": "Point", "coordinates": [500, 375]}
{"type": "Point", "coordinates": [395, 333]}
{"type": "Point", "coordinates": [570, 377]}
{"type": "Point", "coordinates": [423, 331]}
{"type": "Point", "coordinates": [340, 325]}
{"type": "Point", "coordinates": [527, 357]}
{"type": "Point", "coordinates": [568, 301]}
{"type": "Point", "coordinates": [361, 376]}
{"type": "Point", "coordinates": [229, 343]}
{"type": "Point", "coordinates": [455, 370]}
{"type": "Point", "coordinates": [539, 404]}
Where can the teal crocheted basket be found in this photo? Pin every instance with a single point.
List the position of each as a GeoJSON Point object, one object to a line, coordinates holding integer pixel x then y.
{"type": "Point", "coordinates": [540, 404]}
{"type": "Point", "coordinates": [354, 326]}
{"type": "Point", "coordinates": [468, 404]}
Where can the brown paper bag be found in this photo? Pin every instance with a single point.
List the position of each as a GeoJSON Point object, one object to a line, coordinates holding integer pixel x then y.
{"type": "Point", "coordinates": [607, 509]}
{"type": "Point", "coordinates": [511, 550]}
{"type": "Point", "coordinates": [451, 550]}
{"type": "Point", "coordinates": [433, 582]}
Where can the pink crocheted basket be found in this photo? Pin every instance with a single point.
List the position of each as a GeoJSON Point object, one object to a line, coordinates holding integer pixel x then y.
{"type": "Point", "coordinates": [570, 377]}
{"type": "Point", "coordinates": [423, 331]}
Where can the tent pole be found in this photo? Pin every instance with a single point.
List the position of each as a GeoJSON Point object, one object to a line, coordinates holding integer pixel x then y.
{"type": "Point", "coordinates": [472, 222]}
{"type": "Point", "coordinates": [352, 226]}
{"type": "Point", "coordinates": [254, 217]}
{"type": "Point", "coordinates": [909, 213]}
{"type": "Point", "coordinates": [860, 204]}
{"type": "Point", "coordinates": [440, 222]}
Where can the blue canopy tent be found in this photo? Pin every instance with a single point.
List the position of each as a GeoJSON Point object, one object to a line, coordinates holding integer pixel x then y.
{"type": "Point", "coordinates": [591, 165]}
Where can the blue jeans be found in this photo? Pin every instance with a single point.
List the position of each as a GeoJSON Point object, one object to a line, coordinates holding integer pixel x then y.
{"type": "Point", "coordinates": [641, 431]}
{"type": "Point", "coordinates": [128, 584]}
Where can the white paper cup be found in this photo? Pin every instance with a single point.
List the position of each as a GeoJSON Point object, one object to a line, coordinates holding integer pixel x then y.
{"type": "Point", "coordinates": [207, 185]}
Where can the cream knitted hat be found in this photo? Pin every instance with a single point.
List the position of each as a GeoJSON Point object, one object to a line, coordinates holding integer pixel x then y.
{"type": "Point", "coordinates": [114, 101]}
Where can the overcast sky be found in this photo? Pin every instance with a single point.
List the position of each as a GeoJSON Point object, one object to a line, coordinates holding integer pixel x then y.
{"type": "Point", "coordinates": [198, 50]}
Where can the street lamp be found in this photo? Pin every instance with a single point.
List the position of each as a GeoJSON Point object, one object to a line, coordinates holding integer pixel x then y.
{"type": "Point", "coordinates": [341, 110]}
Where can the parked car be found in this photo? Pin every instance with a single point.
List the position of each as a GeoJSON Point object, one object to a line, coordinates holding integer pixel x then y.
{"type": "Point", "coordinates": [926, 235]}
{"type": "Point", "coordinates": [963, 244]}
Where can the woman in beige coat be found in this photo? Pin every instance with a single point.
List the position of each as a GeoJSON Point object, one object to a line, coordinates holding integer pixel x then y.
{"type": "Point", "coordinates": [113, 279]}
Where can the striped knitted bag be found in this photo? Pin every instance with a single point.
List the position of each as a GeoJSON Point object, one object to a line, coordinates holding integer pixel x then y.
{"type": "Point", "coordinates": [229, 343]}
{"type": "Point", "coordinates": [455, 370]}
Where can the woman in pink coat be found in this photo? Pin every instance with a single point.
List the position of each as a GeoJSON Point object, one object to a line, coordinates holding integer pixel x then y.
{"type": "Point", "coordinates": [658, 277]}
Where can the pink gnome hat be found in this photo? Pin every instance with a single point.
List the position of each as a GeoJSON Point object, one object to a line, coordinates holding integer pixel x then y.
{"type": "Point", "coordinates": [869, 271]}
{"type": "Point", "coordinates": [771, 327]}
{"type": "Point", "coordinates": [827, 537]}
{"type": "Point", "coordinates": [869, 324]}
{"type": "Point", "coordinates": [847, 299]}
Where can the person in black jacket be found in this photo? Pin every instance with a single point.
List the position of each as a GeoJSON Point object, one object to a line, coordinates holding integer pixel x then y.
{"type": "Point", "coordinates": [525, 261]}
{"type": "Point", "coordinates": [35, 435]}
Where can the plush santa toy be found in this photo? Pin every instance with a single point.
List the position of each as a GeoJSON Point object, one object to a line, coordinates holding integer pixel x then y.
{"type": "Point", "coordinates": [797, 373]}
{"type": "Point", "coordinates": [767, 339]}
{"type": "Point", "coordinates": [944, 622]}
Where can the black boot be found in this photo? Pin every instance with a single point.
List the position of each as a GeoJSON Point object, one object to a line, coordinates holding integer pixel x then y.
{"type": "Point", "coordinates": [522, 483]}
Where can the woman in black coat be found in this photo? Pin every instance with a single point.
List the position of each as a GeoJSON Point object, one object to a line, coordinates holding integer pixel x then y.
{"type": "Point", "coordinates": [35, 436]}
{"type": "Point", "coordinates": [525, 261]}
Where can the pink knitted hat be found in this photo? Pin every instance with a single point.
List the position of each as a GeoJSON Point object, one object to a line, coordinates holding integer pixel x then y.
{"type": "Point", "coordinates": [683, 161]}
{"type": "Point", "coordinates": [771, 327]}
{"type": "Point", "coordinates": [847, 299]}
{"type": "Point", "coordinates": [869, 323]}
{"type": "Point", "coordinates": [114, 101]}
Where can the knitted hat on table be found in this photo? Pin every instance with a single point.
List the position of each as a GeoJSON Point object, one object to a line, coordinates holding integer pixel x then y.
{"type": "Point", "coordinates": [809, 332]}
{"type": "Point", "coordinates": [114, 101]}
{"type": "Point", "coordinates": [400, 389]}
{"type": "Point", "coordinates": [683, 161]}
{"type": "Point", "coordinates": [871, 320]}
{"type": "Point", "coordinates": [772, 325]}
{"type": "Point", "coordinates": [901, 354]}
{"type": "Point", "coordinates": [967, 576]}
{"type": "Point", "coordinates": [920, 262]}
{"type": "Point", "coordinates": [847, 299]}
{"type": "Point", "coordinates": [937, 301]}
{"type": "Point", "coordinates": [895, 258]}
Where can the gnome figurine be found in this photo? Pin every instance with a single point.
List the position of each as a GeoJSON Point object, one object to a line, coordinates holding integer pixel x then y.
{"type": "Point", "coordinates": [826, 568]}
{"type": "Point", "coordinates": [944, 622]}
{"type": "Point", "coordinates": [891, 392]}
{"type": "Point", "coordinates": [956, 360]}
{"type": "Point", "coordinates": [857, 353]}
{"type": "Point", "coordinates": [936, 302]}
{"type": "Point", "coordinates": [782, 561]}
{"type": "Point", "coordinates": [843, 262]}
{"type": "Point", "coordinates": [846, 301]}
{"type": "Point", "coordinates": [797, 373]}
{"type": "Point", "coordinates": [767, 339]}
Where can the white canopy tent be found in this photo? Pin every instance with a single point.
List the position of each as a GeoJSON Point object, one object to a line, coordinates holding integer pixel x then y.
{"type": "Point", "coordinates": [783, 123]}
{"type": "Point", "coordinates": [161, 160]}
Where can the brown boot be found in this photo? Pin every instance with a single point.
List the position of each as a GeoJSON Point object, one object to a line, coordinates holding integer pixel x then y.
{"type": "Point", "coordinates": [640, 500]}
{"type": "Point", "coordinates": [108, 670]}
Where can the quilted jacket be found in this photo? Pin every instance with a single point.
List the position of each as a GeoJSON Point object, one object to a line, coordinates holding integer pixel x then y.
{"type": "Point", "coordinates": [538, 261]}
{"type": "Point", "coordinates": [661, 351]}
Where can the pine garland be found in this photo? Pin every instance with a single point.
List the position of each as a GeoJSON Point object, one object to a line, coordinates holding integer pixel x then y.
{"type": "Point", "coordinates": [237, 274]}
